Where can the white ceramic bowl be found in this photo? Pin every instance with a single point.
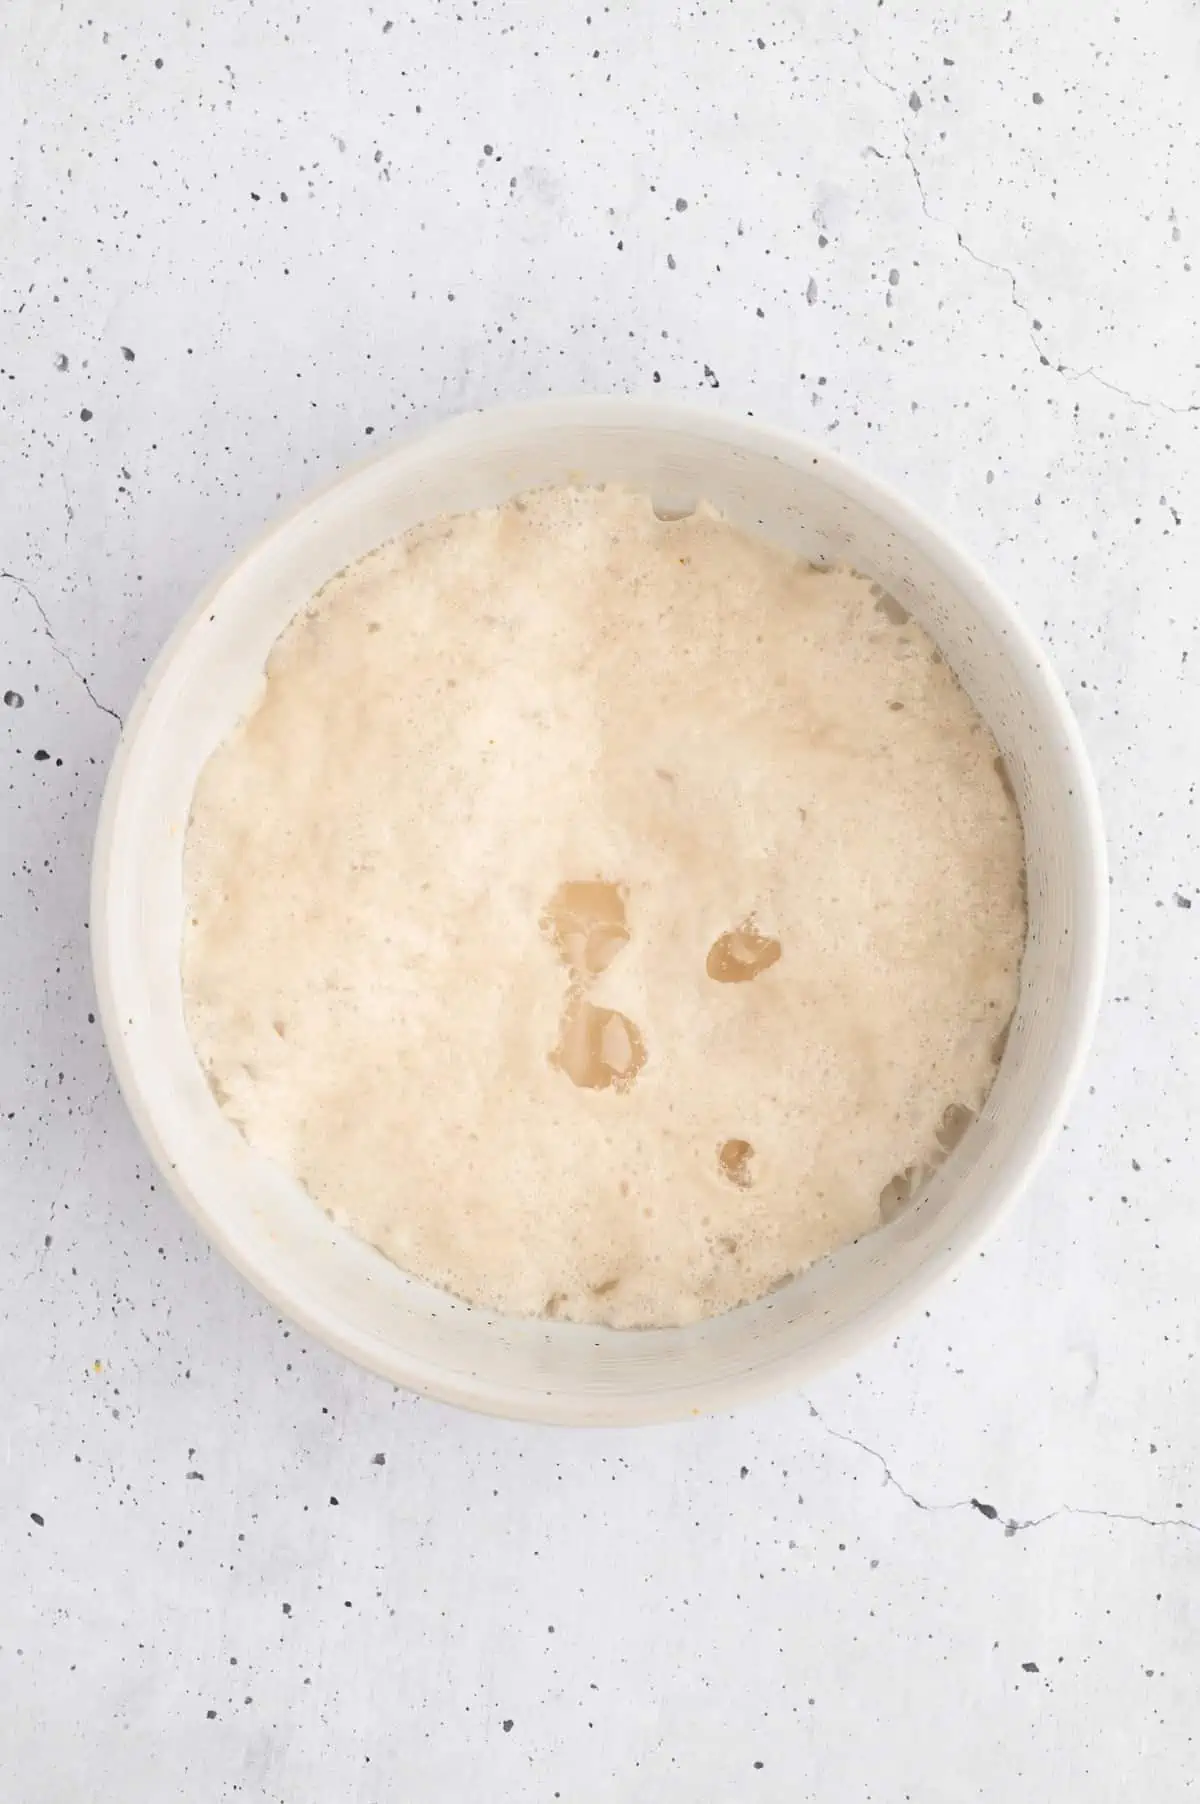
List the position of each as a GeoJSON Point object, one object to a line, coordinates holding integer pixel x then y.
{"type": "Point", "coordinates": [772, 483]}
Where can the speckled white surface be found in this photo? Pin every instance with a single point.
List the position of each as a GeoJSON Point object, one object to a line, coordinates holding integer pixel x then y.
{"type": "Point", "coordinates": [240, 248]}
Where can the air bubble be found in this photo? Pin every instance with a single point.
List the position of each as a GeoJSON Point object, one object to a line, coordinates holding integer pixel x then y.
{"type": "Point", "coordinates": [734, 1158]}
{"type": "Point", "coordinates": [599, 1048]}
{"type": "Point", "coordinates": [955, 1122]}
{"type": "Point", "coordinates": [891, 609]}
{"type": "Point", "coordinates": [898, 1193]}
{"type": "Point", "coordinates": [586, 921]}
{"type": "Point", "coordinates": [741, 955]}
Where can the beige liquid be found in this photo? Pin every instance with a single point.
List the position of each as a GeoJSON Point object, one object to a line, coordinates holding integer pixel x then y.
{"type": "Point", "coordinates": [605, 916]}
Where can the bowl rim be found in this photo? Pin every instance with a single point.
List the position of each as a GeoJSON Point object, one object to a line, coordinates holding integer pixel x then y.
{"type": "Point", "coordinates": [783, 1371]}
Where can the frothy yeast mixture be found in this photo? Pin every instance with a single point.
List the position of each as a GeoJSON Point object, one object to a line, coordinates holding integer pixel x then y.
{"type": "Point", "coordinates": [603, 915]}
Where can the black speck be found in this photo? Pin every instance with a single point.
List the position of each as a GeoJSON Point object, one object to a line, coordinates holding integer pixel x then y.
{"type": "Point", "coordinates": [158, 65]}
{"type": "Point", "coordinates": [914, 101]}
{"type": "Point", "coordinates": [333, 1500]}
{"type": "Point", "coordinates": [506, 1725]}
{"type": "Point", "coordinates": [758, 1766]}
{"type": "Point", "coordinates": [40, 756]}
{"type": "Point", "coordinates": [126, 353]}
{"type": "Point", "coordinates": [62, 361]}
{"type": "Point", "coordinates": [211, 1715]}
{"type": "Point", "coordinates": [657, 376]}
{"type": "Point", "coordinates": [254, 196]}
{"type": "Point", "coordinates": [745, 1472]}
{"type": "Point", "coordinates": [283, 194]}
{"type": "Point", "coordinates": [681, 205]}
{"type": "Point", "coordinates": [1029, 1666]}
{"type": "Point", "coordinates": [287, 1609]}
{"type": "Point", "coordinates": [34, 1517]}
{"type": "Point", "coordinates": [710, 377]}
{"type": "Point", "coordinates": [1037, 99]}
{"type": "Point", "coordinates": [761, 42]}
{"type": "Point", "coordinates": [12, 699]}
{"type": "Point", "coordinates": [194, 1474]}
{"type": "Point", "coordinates": [380, 1459]}
{"type": "Point", "coordinates": [1180, 901]}
{"type": "Point", "coordinates": [489, 150]}
{"type": "Point", "coordinates": [759, 313]}
{"type": "Point", "coordinates": [387, 26]}
{"type": "Point", "coordinates": [670, 261]}
{"type": "Point", "coordinates": [1135, 1165]}
{"type": "Point", "coordinates": [985, 1509]}
{"type": "Point", "coordinates": [85, 413]}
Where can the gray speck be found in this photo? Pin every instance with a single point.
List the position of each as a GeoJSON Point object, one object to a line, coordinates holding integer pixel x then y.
{"type": "Point", "coordinates": [681, 205]}
{"type": "Point", "coordinates": [810, 293]}
{"type": "Point", "coordinates": [914, 101]}
{"type": "Point", "coordinates": [62, 361]}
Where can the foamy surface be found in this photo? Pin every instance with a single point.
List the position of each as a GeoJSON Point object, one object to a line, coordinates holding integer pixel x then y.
{"type": "Point", "coordinates": [604, 916]}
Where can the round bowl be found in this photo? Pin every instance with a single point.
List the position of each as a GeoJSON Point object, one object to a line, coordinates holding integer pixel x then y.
{"type": "Point", "coordinates": [795, 494]}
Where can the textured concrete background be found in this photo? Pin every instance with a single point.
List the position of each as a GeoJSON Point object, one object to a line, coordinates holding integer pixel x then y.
{"type": "Point", "coordinates": [242, 243]}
